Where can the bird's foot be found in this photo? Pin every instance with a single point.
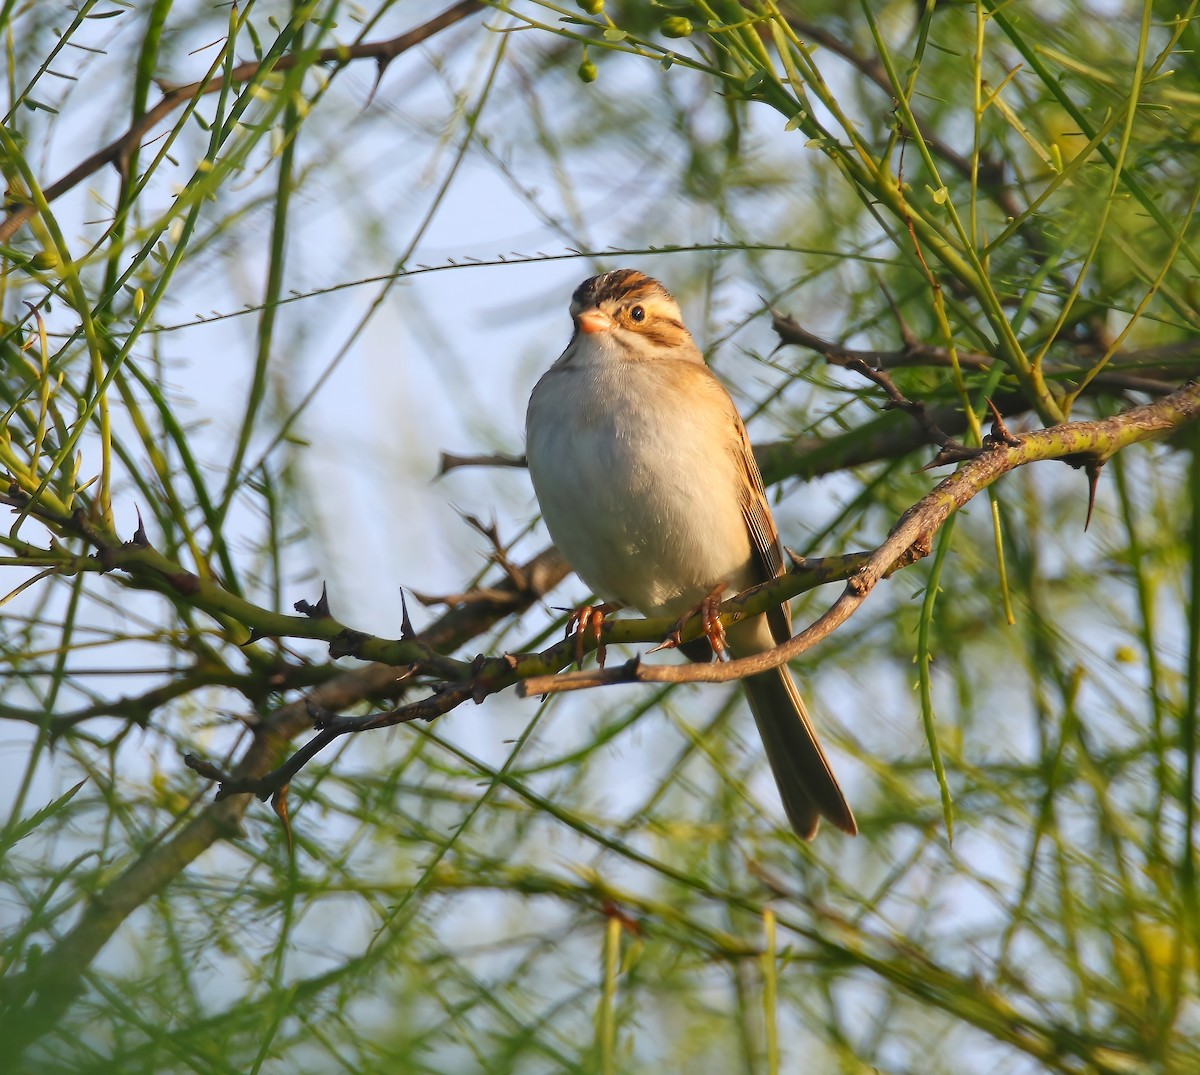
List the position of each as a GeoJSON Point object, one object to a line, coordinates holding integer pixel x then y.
{"type": "Point", "coordinates": [709, 611]}
{"type": "Point", "coordinates": [589, 618]}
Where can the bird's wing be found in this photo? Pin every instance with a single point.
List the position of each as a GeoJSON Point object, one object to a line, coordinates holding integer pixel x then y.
{"type": "Point", "coordinates": [764, 536]}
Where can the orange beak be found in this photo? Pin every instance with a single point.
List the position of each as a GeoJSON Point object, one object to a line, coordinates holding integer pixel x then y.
{"type": "Point", "coordinates": [593, 320]}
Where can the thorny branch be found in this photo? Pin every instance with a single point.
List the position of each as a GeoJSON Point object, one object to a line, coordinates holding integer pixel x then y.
{"type": "Point", "coordinates": [489, 675]}
{"type": "Point", "coordinates": [1155, 371]}
{"type": "Point", "coordinates": [1151, 371]}
{"type": "Point", "coordinates": [118, 152]}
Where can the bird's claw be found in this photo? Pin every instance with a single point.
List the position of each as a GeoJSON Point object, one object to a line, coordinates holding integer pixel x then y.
{"type": "Point", "coordinates": [589, 618]}
{"type": "Point", "coordinates": [709, 611]}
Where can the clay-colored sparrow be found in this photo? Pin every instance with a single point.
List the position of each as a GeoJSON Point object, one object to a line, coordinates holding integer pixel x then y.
{"type": "Point", "coordinates": [648, 486]}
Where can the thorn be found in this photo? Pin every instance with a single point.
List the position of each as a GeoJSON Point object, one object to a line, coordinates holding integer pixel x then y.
{"type": "Point", "coordinates": [797, 560]}
{"type": "Point", "coordinates": [406, 673]}
{"type": "Point", "coordinates": [319, 715]}
{"type": "Point", "coordinates": [488, 531]}
{"type": "Point", "coordinates": [1092, 470]}
{"type": "Point", "coordinates": [480, 683]}
{"type": "Point", "coordinates": [318, 611]}
{"type": "Point", "coordinates": [139, 535]}
{"type": "Point", "coordinates": [406, 627]}
{"type": "Point", "coordinates": [381, 66]}
{"type": "Point", "coordinates": [939, 460]}
{"type": "Point", "coordinates": [952, 453]}
{"type": "Point", "coordinates": [280, 806]}
{"type": "Point", "coordinates": [1000, 431]}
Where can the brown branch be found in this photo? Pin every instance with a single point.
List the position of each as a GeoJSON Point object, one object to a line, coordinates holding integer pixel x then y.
{"type": "Point", "coordinates": [1076, 442]}
{"type": "Point", "coordinates": [138, 709]}
{"type": "Point", "coordinates": [1158, 376]}
{"type": "Point", "coordinates": [117, 152]}
{"type": "Point", "coordinates": [494, 674]}
{"type": "Point", "coordinates": [330, 726]}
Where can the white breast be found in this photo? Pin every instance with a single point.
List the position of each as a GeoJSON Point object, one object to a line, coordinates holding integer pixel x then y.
{"type": "Point", "coordinates": [640, 486]}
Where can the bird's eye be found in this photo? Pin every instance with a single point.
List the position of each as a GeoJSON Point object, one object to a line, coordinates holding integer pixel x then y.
{"type": "Point", "coordinates": [638, 313]}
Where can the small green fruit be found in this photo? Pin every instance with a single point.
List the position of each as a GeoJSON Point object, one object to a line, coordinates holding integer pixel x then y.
{"type": "Point", "coordinates": [592, 7]}
{"type": "Point", "coordinates": [676, 26]}
{"type": "Point", "coordinates": [588, 71]}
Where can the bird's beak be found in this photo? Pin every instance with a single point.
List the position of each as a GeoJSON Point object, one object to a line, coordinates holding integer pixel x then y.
{"type": "Point", "coordinates": [593, 320]}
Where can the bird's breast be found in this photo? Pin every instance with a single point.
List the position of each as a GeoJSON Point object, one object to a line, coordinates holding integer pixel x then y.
{"type": "Point", "coordinates": [638, 484]}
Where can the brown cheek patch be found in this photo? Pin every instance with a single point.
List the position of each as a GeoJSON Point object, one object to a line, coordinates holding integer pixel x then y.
{"type": "Point", "coordinates": [662, 331]}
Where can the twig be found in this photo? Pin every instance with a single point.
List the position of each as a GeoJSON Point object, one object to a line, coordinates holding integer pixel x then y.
{"type": "Point", "coordinates": [117, 151]}
{"type": "Point", "coordinates": [1157, 374]}
{"type": "Point", "coordinates": [450, 461]}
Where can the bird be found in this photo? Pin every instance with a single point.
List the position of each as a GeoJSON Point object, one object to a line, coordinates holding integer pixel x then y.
{"type": "Point", "coordinates": [647, 483]}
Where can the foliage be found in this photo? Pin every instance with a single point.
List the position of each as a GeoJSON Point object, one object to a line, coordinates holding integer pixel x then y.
{"type": "Point", "coordinates": [989, 202]}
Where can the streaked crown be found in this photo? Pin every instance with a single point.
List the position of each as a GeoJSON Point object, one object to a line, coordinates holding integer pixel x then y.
{"type": "Point", "coordinates": [618, 287]}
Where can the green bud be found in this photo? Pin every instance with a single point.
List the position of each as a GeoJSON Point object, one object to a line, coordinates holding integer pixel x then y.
{"type": "Point", "coordinates": [44, 259]}
{"type": "Point", "coordinates": [588, 71]}
{"type": "Point", "coordinates": [676, 26]}
{"type": "Point", "coordinates": [592, 7]}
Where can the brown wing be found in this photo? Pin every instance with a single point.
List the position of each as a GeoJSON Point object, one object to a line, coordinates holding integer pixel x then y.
{"type": "Point", "coordinates": [764, 537]}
